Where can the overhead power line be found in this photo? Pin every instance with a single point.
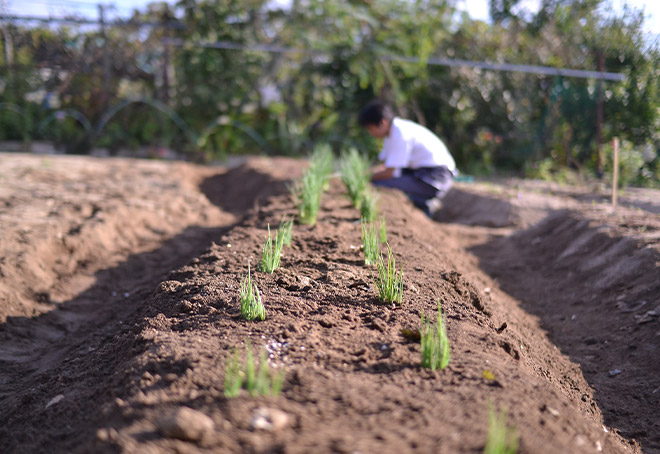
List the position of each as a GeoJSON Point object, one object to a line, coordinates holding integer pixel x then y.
{"type": "Point", "coordinates": [83, 21]}
{"type": "Point", "coordinates": [436, 61]}
{"type": "Point", "coordinates": [532, 69]}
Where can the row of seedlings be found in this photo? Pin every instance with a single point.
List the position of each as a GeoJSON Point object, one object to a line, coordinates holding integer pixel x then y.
{"type": "Point", "coordinates": [263, 379]}
{"type": "Point", "coordinates": [435, 349]}
{"type": "Point", "coordinates": [432, 335]}
{"type": "Point", "coordinates": [355, 171]}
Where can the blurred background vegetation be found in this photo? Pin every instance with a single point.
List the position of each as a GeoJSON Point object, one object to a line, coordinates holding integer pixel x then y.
{"type": "Point", "coordinates": [209, 78]}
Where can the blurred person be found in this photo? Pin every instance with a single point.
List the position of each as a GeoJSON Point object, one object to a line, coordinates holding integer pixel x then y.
{"type": "Point", "coordinates": [413, 159]}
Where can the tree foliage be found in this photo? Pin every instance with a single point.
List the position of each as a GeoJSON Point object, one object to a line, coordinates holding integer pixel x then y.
{"type": "Point", "coordinates": [252, 76]}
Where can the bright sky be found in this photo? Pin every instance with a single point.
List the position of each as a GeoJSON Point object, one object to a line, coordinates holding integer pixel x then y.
{"type": "Point", "coordinates": [478, 9]}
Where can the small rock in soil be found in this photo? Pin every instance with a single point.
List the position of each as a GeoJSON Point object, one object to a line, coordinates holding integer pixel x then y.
{"type": "Point", "coordinates": [170, 377]}
{"type": "Point", "coordinates": [648, 316]}
{"type": "Point", "coordinates": [614, 372]}
{"type": "Point", "coordinates": [270, 419]}
{"type": "Point", "coordinates": [305, 282]}
{"type": "Point", "coordinates": [412, 288]}
{"type": "Point", "coordinates": [186, 424]}
{"type": "Point", "coordinates": [550, 410]}
{"type": "Point", "coordinates": [623, 307]}
{"type": "Point", "coordinates": [107, 434]}
{"type": "Point", "coordinates": [55, 400]}
{"type": "Point", "coordinates": [580, 440]}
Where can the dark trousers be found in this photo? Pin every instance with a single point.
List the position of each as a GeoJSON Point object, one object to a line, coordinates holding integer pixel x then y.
{"type": "Point", "coordinates": [421, 185]}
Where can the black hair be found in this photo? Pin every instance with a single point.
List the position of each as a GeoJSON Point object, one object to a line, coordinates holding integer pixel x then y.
{"type": "Point", "coordinates": [374, 113]}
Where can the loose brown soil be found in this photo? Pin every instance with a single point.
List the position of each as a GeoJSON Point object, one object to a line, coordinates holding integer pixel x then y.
{"type": "Point", "coordinates": [119, 301]}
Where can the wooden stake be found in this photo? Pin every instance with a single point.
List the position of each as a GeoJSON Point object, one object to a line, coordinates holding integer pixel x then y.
{"type": "Point", "coordinates": [615, 173]}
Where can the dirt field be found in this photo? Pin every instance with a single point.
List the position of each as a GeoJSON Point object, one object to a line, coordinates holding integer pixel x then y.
{"type": "Point", "coordinates": [119, 305]}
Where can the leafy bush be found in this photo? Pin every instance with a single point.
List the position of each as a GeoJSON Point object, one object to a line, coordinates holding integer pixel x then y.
{"type": "Point", "coordinates": [435, 343]}
{"type": "Point", "coordinates": [261, 381]}
{"type": "Point", "coordinates": [636, 164]}
{"type": "Point", "coordinates": [549, 170]}
{"type": "Point", "coordinates": [251, 305]}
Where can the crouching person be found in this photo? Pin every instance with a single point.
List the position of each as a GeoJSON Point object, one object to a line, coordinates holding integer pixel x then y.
{"type": "Point", "coordinates": [414, 160]}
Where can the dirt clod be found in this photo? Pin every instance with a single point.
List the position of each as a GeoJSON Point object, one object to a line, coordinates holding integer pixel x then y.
{"type": "Point", "coordinates": [269, 419]}
{"type": "Point", "coordinates": [186, 424]}
{"type": "Point", "coordinates": [55, 400]}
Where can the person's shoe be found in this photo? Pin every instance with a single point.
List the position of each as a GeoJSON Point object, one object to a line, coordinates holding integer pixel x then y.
{"type": "Point", "coordinates": [434, 205]}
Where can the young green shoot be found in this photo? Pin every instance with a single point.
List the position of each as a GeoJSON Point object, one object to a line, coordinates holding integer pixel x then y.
{"type": "Point", "coordinates": [263, 380]}
{"type": "Point", "coordinates": [382, 230]}
{"type": "Point", "coordinates": [267, 382]}
{"type": "Point", "coordinates": [233, 376]}
{"type": "Point", "coordinates": [369, 204]}
{"type": "Point", "coordinates": [322, 161]}
{"type": "Point", "coordinates": [251, 305]}
{"type": "Point", "coordinates": [435, 343]}
{"type": "Point", "coordinates": [354, 170]}
{"type": "Point", "coordinates": [272, 252]}
{"type": "Point", "coordinates": [309, 189]}
{"type": "Point", "coordinates": [369, 242]}
{"type": "Point", "coordinates": [501, 439]}
{"type": "Point", "coordinates": [285, 232]}
{"type": "Point", "coordinates": [389, 283]}
{"type": "Point", "coordinates": [307, 192]}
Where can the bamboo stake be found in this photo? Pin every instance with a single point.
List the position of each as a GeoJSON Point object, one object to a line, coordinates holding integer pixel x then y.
{"type": "Point", "coordinates": [615, 173]}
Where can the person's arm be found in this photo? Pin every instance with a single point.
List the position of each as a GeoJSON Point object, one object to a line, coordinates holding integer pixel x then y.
{"type": "Point", "coordinates": [382, 173]}
{"type": "Point", "coordinates": [395, 154]}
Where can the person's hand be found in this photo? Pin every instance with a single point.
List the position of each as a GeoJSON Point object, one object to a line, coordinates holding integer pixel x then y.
{"type": "Point", "coordinates": [382, 173]}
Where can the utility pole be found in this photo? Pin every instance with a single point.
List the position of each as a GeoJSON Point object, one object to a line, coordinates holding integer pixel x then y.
{"type": "Point", "coordinates": [7, 44]}
{"type": "Point", "coordinates": [106, 59]}
{"type": "Point", "coordinates": [165, 70]}
{"type": "Point", "coordinates": [599, 120]}
{"type": "Point", "coordinates": [615, 171]}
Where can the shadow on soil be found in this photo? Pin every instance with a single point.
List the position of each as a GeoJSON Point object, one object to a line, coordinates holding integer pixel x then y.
{"type": "Point", "coordinates": [652, 206]}
{"type": "Point", "coordinates": [584, 286]}
{"type": "Point", "coordinates": [60, 371]}
{"type": "Point", "coordinates": [463, 207]}
{"type": "Point", "coordinates": [241, 189]}
{"type": "Point", "coordinates": [77, 349]}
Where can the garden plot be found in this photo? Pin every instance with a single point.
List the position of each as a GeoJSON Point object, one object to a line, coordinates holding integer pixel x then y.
{"type": "Point", "coordinates": [353, 379]}
{"type": "Point", "coordinates": [593, 278]}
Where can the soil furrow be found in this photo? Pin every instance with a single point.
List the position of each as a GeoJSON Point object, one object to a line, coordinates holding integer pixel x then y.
{"type": "Point", "coordinates": [152, 333]}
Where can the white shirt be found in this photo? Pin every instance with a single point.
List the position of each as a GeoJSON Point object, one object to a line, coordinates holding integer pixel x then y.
{"type": "Point", "coordinates": [411, 145]}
